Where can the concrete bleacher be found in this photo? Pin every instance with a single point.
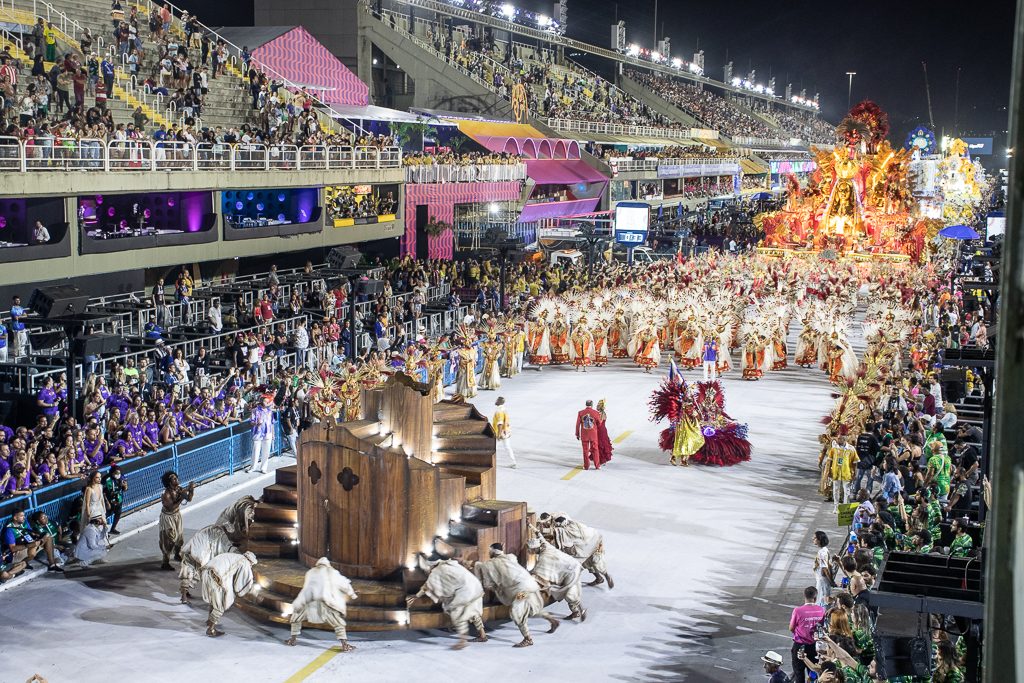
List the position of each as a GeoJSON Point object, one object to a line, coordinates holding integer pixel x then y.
{"type": "Point", "coordinates": [227, 104]}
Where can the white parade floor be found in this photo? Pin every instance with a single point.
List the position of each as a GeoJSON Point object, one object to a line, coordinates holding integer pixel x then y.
{"type": "Point", "coordinates": [707, 562]}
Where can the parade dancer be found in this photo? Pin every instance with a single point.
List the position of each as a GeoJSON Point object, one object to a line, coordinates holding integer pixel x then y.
{"type": "Point", "coordinates": [172, 534]}
{"type": "Point", "coordinates": [210, 541]}
{"type": "Point", "coordinates": [262, 420]}
{"type": "Point", "coordinates": [502, 425]}
{"type": "Point", "coordinates": [460, 594]}
{"type": "Point", "coordinates": [586, 432]}
{"type": "Point", "coordinates": [583, 543]}
{"type": "Point", "coordinates": [514, 587]}
{"type": "Point", "coordinates": [558, 574]}
{"type": "Point", "coordinates": [225, 577]}
{"type": "Point", "coordinates": [323, 600]}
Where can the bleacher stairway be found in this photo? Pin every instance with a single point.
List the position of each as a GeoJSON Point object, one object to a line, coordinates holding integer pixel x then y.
{"type": "Point", "coordinates": [438, 85]}
{"type": "Point", "coordinates": [227, 103]}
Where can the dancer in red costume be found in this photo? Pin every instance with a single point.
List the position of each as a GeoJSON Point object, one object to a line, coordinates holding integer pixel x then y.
{"type": "Point", "coordinates": [604, 443]}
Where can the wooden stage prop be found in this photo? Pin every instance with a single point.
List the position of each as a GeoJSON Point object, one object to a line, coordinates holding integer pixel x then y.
{"type": "Point", "coordinates": [411, 477]}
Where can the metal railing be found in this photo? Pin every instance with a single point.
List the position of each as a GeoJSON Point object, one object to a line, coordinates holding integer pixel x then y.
{"type": "Point", "coordinates": [624, 164]}
{"type": "Point", "coordinates": [603, 128]}
{"type": "Point", "coordinates": [48, 153]}
{"type": "Point", "coordinates": [470, 173]}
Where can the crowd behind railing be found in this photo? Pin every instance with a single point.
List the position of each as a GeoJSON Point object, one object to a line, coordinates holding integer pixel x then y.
{"type": "Point", "coordinates": [452, 167]}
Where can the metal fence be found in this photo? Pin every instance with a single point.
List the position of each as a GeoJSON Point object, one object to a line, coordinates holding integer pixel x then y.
{"type": "Point", "coordinates": [49, 153]}
{"type": "Point", "coordinates": [470, 173]}
{"type": "Point", "coordinates": [199, 459]}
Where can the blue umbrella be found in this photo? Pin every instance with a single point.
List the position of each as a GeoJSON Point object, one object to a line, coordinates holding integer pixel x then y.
{"type": "Point", "coordinates": [763, 195]}
{"type": "Point", "coordinates": [959, 232]}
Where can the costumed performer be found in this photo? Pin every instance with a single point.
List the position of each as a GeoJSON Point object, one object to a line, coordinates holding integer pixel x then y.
{"type": "Point", "coordinates": [323, 600]}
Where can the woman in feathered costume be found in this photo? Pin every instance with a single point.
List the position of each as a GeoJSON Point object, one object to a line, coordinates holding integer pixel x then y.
{"type": "Point", "coordinates": [683, 437]}
{"type": "Point", "coordinates": [700, 430]}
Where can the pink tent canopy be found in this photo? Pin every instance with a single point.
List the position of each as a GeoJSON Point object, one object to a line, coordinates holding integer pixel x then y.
{"type": "Point", "coordinates": [562, 172]}
{"type": "Point", "coordinates": [535, 212]}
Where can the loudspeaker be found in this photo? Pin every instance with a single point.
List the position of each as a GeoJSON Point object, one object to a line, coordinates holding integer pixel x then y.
{"type": "Point", "coordinates": [98, 344]}
{"type": "Point", "coordinates": [342, 258]}
{"type": "Point", "coordinates": [58, 301]}
{"type": "Point", "coordinates": [370, 287]}
{"type": "Point", "coordinates": [46, 340]}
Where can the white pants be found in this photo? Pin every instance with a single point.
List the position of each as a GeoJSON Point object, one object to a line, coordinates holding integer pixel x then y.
{"type": "Point", "coordinates": [21, 346]}
{"type": "Point", "coordinates": [261, 453]}
{"type": "Point", "coordinates": [506, 445]}
{"type": "Point", "coordinates": [517, 361]}
{"type": "Point", "coordinates": [710, 370]}
{"type": "Point", "coordinates": [3, 354]}
{"type": "Point", "coordinates": [293, 438]}
{"type": "Point", "coordinates": [841, 491]}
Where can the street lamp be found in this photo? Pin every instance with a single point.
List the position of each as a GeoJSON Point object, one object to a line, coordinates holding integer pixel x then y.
{"type": "Point", "coordinates": [849, 90]}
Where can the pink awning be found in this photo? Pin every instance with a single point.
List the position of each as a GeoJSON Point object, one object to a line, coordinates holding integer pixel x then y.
{"type": "Point", "coordinates": [535, 212]}
{"type": "Point", "coordinates": [562, 172]}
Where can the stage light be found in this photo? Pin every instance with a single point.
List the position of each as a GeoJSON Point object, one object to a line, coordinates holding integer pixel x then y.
{"type": "Point", "coordinates": [170, 201]}
{"type": "Point", "coordinates": [543, 21]}
{"type": "Point", "coordinates": [3, 219]}
{"type": "Point", "coordinates": [375, 61]}
{"type": "Point", "coordinates": [633, 50]}
{"type": "Point", "coordinates": [249, 196]}
{"type": "Point", "coordinates": [493, 208]}
{"type": "Point", "coordinates": [260, 207]}
{"type": "Point", "coordinates": [677, 63]}
{"type": "Point", "coordinates": [238, 206]}
{"type": "Point", "coordinates": [111, 211]}
{"type": "Point", "coordinates": [736, 81]}
{"type": "Point", "coordinates": [508, 10]}
{"type": "Point", "coordinates": [655, 56]}
{"type": "Point", "coordinates": [280, 197]}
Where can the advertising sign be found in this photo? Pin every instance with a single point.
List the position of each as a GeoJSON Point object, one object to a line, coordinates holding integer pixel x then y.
{"type": "Point", "coordinates": [632, 219]}
{"type": "Point", "coordinates": [976, 146]}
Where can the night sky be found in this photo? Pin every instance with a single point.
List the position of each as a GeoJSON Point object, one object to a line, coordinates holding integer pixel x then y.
{"type": "Point", "coordinates": [813, 45]}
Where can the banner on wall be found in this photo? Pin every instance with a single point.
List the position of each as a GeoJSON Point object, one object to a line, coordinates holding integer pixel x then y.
{"type": "Point", "coordinates": [697, 170]}
{"type": "Point", "coordinates": [785, 166]}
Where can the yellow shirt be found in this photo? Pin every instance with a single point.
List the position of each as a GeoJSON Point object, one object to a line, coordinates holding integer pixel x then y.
{"type": "Point", "coordinates": [843, 459]}
{"type": "Point", "coordinates": [501, 424]}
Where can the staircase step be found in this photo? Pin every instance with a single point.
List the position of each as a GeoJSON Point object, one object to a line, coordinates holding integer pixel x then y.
{"type": "Point", "coordinates": [455, 549]}
{"type": "Point", "coordinates": [468, 427]}
{"type": "Point", "coordinates": [264, 614]}
{"type": "Point", "coordinates": [443, 456]}
{"type": "Point", "coordinates": [475, 442]}
{"type": "Point", "coordinates": [472, 473]}
{"type": "Point", "coordinates": [273, 548]}
{"type": "Point", "coordinates": [269, 531]}
{"type": "Point", "coordinates": [276, 513]}
{"type": "Point", "coordinates": [449, 412]}
{"type": "Point", "coordinates": [281, 494]}
{"type": "Point", "coordinates": [287, 475]}
{"type": "Point", "coordinates": [466, 531]}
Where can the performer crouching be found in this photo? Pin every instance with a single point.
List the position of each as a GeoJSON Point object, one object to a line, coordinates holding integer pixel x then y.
{"type": "Point", "coordinates": [225, 577]}
{"type": "Point", "coordinates": [514, 587]}
{"type": "Point", "coordinates": [461, 596]}
{"type": "Point", "coordinates": [558, 574]}
{"type": "Point", "coordinates": [582, 542]}
{"type": "Point", "coordinates": [323, 600]}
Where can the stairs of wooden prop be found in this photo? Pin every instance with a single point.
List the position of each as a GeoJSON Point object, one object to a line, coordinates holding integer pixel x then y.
{"type": "Point", "coordinates": [275, 528]}
{"type": "Point", "coordinates": [464, 447]}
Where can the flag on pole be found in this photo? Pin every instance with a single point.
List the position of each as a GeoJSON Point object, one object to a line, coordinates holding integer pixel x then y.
{"type": "Point", "coordinates": [673, 370]}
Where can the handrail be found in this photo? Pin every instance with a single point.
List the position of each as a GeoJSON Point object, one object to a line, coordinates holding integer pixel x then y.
{"type": "Point", "coordinates": [470, 173]}
{"type": "Point", "coordinates": [91, 154]}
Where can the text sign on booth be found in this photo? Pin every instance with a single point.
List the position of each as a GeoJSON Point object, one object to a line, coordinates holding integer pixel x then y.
{"type": "Point", "coordinates": [632, 220]}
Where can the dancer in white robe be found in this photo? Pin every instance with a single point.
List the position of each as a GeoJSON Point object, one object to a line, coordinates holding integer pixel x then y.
{"type": "Point", "coordinates": [225, 577]}
{"type": "Point", "coordinates": [515, 587]}
{"type": "Point", "coordinates": [585, 544]}
{"type": "Point", "coordinates": [220, 537]}
{"type": "Point", "coordinates": [460, 594]}
{"type": "Point", "coordinates": [558, 574]}
{"type": "Point", "coordinates": [323, 600]}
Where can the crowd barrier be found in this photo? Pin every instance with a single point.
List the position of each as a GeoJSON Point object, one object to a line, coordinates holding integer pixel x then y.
{"type": "Point", "coordinates": [470, 173]}
{"type": "Point", "coordinates": [47, 153]}
{"type": "Point", "coordinates": [199, 459]}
